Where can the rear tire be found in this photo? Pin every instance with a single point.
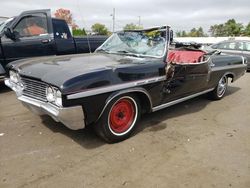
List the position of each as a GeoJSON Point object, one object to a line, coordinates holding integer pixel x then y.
{"type": "Point", "coordinates": [119, 119]}
{"type": "Point", "coordinates": [220, 90]}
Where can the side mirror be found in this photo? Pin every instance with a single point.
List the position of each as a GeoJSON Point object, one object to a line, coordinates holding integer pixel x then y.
{"type": "Point", "coordinates": [9, 33]}
{"type": "Point", "coordinates": [171, 36]}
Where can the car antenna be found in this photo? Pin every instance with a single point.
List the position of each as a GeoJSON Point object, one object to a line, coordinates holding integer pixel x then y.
{"type": "Point", "coordinates": [87, 36]}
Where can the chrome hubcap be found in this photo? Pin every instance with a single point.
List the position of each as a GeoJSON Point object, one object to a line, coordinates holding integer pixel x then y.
{"type": "Point", "coordinates": [222, 86]}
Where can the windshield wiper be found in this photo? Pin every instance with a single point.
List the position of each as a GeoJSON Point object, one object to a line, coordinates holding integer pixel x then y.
{"type": "Point", "coordinates": [102, 50]}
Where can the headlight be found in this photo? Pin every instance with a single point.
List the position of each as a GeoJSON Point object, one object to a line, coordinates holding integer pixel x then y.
{"type": "Point", "coordinates": [53, 95]}
{"type": "Point", "coordinates": [58, 100]}
{"type": "Point", "coordinates": [50, 94]}
{"type": "Point", "coordinates": [13, 77]}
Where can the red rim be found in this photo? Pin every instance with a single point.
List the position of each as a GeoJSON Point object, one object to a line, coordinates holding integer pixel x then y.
{"type": "Point", "coordinates": [122, 116]}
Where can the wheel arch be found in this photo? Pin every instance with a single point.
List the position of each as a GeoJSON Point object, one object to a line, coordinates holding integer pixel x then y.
{"type": "Point", "coordinates": [230, 75]}
{"type": "Point", "coordinates": [141, 93]}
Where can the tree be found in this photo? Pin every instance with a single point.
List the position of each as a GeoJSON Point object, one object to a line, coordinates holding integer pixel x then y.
{"type": "Point", "coordinates": [99, 29]}
{"type": "Point", "coordinates": [132, 26]}
{"type": "Point", "coordinates": [232, 28]}
{"type": "Point", "coordinates": [79, 32]}
{"type": "Point", "coordinates": [193, 33]}
{"type": "Point", "coordinates": [229, 28]}
{"type": "Point", "coordinates": [247, 30]}
{"type": "Point", "coordinates": [66, 15]}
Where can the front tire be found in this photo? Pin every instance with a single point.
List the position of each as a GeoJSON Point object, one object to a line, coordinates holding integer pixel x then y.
{"type": "Point", "coordinates": [119, 119]}
{"type": "Point", "coordinates": [220, 90]}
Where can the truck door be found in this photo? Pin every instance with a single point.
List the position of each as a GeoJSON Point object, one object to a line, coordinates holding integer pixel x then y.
{"type": "Point", "coordinates": [33, 36]}
{"type": "Point", "coordinates": [65, 43]}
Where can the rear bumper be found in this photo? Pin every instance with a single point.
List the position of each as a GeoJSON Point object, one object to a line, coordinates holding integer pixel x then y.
{"type": "Point", "coordinates": [71, 117]}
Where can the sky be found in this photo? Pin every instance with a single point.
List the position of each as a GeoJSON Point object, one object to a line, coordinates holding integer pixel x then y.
{"type": "Point", "coordinates": [180, 14]}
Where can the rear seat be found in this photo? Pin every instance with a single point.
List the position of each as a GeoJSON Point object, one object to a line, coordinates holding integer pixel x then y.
{"type": "Point", "coordinates": [185, 56]}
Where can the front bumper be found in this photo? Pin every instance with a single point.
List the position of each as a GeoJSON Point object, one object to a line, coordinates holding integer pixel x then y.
{"type": "Point", "coordinates": [2, 78]}
{"type": "Point", "coordinates": [2, 73]}
{"type": "Point", "coordinates": [71, 117]}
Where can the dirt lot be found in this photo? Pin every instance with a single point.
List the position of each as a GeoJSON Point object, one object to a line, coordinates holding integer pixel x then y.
{"type": "Point", "coordinates": [194, 144]}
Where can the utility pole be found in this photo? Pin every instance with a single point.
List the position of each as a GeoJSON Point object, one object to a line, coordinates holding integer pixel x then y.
{"type": "Point", "coordinates": [113, 18]}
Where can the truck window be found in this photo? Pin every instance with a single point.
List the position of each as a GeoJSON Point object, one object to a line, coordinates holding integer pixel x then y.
{"type": "Point", "coordinates": [32, 25]}
{"type": "Point", "coordinates": [61, 29]}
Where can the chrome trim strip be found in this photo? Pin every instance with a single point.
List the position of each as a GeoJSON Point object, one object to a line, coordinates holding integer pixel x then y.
{"type": "Point", "coordinates": [243, 62]}
{"type": "Point", "coordinates": [111, 88]}
{"type": "Point", "coordinates": [180, 100]}
{"type": "Point", "coordinates": [228, 67]}
{"type": "Point", "coordinates": [2, 78]}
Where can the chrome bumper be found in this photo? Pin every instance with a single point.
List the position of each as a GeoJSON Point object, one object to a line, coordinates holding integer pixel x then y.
{"type": "Point", "coordinates": [71, 117]}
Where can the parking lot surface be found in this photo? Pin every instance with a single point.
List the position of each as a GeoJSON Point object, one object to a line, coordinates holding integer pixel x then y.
{"type": "Point", "coordinates": [195, 144]}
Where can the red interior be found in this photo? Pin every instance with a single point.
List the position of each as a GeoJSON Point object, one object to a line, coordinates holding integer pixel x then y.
{"type": "Point", "coordinates": [184, 56]}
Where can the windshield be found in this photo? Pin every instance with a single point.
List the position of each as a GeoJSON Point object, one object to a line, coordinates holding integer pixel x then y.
{"type": "Point", "coordinates": [4, 24]}
{"type": "Point", "coordinates": [149, 43]}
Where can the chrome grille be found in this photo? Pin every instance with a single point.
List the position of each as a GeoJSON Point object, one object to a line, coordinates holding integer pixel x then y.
{"type": "Point", "coordinates": [34, 89]}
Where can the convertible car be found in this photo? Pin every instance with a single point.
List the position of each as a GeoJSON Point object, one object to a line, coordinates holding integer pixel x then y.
{"type": "Point", "coordinates": [133, 72]}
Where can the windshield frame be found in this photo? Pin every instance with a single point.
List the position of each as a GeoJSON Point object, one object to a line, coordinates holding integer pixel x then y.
{"type": "Point", "coordinates": [161, 29]}
{"type": "Point", "coordinates": [5, 23]}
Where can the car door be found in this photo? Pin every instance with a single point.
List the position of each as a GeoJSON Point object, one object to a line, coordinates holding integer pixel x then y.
{"type": "Point", "coordinates": [33, 36]}
{"type": "Point", "coordinates": [246, 51]}
{"type": "Point", "coordinates": [186, 79]}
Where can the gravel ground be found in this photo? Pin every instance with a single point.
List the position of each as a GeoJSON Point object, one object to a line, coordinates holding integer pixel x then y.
{"type": "Point", "coordinates": [195, 144]}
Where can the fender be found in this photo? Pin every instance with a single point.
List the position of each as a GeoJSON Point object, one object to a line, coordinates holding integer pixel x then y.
{"type": "Point", "coordinates": [127, 91]}
{"type": "Point", "coordinates": [230, 75]}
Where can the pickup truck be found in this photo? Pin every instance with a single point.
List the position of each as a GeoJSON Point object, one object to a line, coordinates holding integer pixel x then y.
{"type": "Point", "coordinates": [36, 33]}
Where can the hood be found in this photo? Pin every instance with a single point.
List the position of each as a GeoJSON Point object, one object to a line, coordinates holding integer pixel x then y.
{"type": "Point", "coordinates": [57, 70]}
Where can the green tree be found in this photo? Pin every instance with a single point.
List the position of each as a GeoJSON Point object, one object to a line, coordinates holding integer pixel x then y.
{"type": "Point", "coordinates": [247, 30]}
{"type": "Point", "coordinates": [192, 33]}
{"type": "Point", "coordinates": [79, 32]}
{"type": "Point", "coordinates": [132, 26]}
{"type": "Point", "coordinates": [229, 28]}
{"type": "Point", "coordinates": [233, 28]}
{"type": "Point", "coordinates": [218, 30]}
{"type": "Point", "coordinates": [181, 34]}
{"type": "Point", "coordinates": [99, 29]}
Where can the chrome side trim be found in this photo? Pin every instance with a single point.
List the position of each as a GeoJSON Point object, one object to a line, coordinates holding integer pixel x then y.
{"type": "Point", "coordinates": [127, 91]}
{"type": "Point", "coordinates": [180, 100]}
{"type": "Point", "coordinates": [228, 67]}
{"type": "Point", "coordinates": [111, 88]}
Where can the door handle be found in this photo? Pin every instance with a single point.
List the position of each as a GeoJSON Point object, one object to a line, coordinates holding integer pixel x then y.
{"type": "Point", "coordinates": [45, 41]}
{"type": "Point", "coordinates": [212, 64]}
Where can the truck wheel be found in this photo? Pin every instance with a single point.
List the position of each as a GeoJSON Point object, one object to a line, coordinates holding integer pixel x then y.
{"type": "Point", "coordinates": [220, 90]}
{"type": "Point", "coordinates": [119, 119]}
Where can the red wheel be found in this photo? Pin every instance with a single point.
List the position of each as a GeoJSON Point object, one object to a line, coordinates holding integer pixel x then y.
{"type": "Point", "coordinates": [122, 116]}
{"type": "Point", "coordinates": [119, 118]}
